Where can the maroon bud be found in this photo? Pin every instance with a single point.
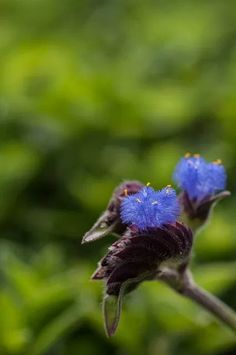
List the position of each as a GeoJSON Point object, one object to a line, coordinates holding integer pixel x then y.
{"type": "Point", "coordinates": [139, 256]}
{"type": "Point", "coordinates": [109, 221]}
{"type": "Point", "coordinates": [137, 253]}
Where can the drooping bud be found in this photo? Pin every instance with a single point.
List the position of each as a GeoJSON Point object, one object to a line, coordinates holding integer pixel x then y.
{"type": "Point", "coordinates": [109, 221]}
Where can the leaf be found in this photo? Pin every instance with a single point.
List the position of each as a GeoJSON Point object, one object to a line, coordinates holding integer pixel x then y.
{"type": "Point", "coordinates": [112, 305]}
{"type": "Point", "coordinates": [55, 330]}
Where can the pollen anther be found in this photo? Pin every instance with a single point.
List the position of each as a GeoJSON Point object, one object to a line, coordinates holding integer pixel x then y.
{"type": "Point", "coordinates": [217, 161]}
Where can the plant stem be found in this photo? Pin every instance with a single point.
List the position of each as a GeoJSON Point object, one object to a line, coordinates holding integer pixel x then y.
{"type": "Point", "coordinates": [183, 283]}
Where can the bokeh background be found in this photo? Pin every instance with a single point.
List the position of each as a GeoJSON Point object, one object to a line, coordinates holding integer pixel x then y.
{"type": "Point", "coordinates": [93, 92]}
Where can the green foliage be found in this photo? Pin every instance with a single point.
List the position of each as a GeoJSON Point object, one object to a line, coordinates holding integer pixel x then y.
{"type": "Point", "coordinates": [91, 93]}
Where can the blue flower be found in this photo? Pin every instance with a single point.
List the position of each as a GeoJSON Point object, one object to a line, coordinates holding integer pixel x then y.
{"type": "Point", "coordinates": [199, 178]}
{"type": "Point", "coordinates": [149, 208]}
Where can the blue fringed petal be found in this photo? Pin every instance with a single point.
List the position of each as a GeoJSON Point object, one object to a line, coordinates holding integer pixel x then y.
{"type": "Point", "coordinates": [149, 208]}
{"type": "Point", "coordinates": [199, 178]}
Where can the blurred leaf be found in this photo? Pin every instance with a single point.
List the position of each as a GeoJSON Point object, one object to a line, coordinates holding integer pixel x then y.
{"type": "Point", "coordinates": [55, 330]}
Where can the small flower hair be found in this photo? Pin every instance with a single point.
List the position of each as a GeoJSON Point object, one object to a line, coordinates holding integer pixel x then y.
{"type": "Point", "coordinates": [199, 178]}
{"type": "Point", "coordinates": [149, 208]}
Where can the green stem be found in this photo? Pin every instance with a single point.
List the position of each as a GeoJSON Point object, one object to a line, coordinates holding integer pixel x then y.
{"type": "Point", "coordinates": [183, 283]}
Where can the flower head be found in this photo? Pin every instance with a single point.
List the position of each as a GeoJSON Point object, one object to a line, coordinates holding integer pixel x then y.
{"type": "Point", "coordinates": [198, 178]}
{"type": "Point", "coordinates": [149, 208]}
{"type": "Point", "coordinates": [202, 184]}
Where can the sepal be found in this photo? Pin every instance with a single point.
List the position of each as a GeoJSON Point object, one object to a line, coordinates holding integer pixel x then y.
{"type": "Point", "coordinates": [109, 221]}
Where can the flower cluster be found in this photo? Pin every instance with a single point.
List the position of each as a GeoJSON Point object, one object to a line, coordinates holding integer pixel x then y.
{"type": "Point", "coordinates": [151, 236]}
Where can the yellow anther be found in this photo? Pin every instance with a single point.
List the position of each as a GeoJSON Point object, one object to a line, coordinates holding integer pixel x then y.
{"type": "Point", "coordinates": [217, 161]}
{"type": "Point", "coordinates": [138, 200]}
{"type": "Point", "coordinates": [125, 192]}
{"type": "Point", "coordinates": [168, 186]}
{"type": "Point", "coordinates": [187, 155]}
{"type": "Point", "coordinates": [196, 155]}
{"type": "Point", "coordinates": [148, 184]}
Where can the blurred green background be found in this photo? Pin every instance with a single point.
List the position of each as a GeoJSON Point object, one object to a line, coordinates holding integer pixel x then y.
{"type": "Point", "coordinates": [93, 92]}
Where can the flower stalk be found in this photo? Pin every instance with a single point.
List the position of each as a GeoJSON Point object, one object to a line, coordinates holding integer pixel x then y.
{"type": "Point", "coordinates": [183, 283]}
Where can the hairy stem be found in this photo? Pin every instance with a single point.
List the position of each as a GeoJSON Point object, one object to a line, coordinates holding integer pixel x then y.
{"type": "Point", "coordinates": [183, 283]}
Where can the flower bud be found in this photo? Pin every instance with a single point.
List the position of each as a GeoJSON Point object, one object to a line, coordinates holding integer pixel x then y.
{"type": "Point", "coordinates": [136, 257]}
{"type": "Point", "coordinates": [140, 254]}
{"type": "Point", "coordinates": [109, 221]}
